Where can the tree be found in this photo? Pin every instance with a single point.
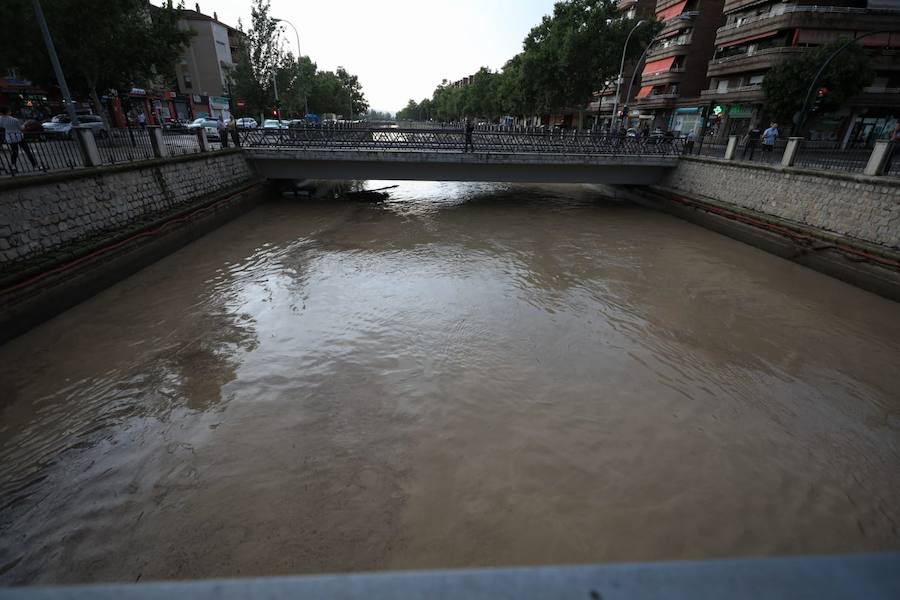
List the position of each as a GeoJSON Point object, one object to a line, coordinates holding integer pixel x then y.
{"type": "Point", "coordinates": [786, 84]}
{"type": "Point", "coordinates": [565, 58]}
{"type": "Point", "coordinates": [261, 55]}
{"type": "Point", "coordinates": [101, 45]}
{"type": "Point", "coordinates": [410, 112]}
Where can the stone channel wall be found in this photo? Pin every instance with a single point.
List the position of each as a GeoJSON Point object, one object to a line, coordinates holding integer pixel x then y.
{"type": "Point", "coordinates": [857, 206]}
{"type": "Point", "coordinates": [39, 215]}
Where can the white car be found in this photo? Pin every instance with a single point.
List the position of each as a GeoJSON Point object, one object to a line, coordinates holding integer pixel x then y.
{"type": "Point", "coordinates": [210, 125]}
{"type": "Point", "coordinates": [246, 123]}
{"type": "Point", "coordinates": [61, 125]}
{"type": "Point", "coordinates": [274, 124]}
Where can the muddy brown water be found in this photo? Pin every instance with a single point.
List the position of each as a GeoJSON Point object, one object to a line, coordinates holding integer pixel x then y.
{"type": "Point", "coordinates": [465, 375]}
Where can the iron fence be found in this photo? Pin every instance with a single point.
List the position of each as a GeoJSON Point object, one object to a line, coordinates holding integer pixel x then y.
{"type": "Point", "coordinates": [125, 145]}
{"type": "Point", "coordinates": [454, 140]}
{"type": "Point", "coordinates": [39, 154]}
{"type": "Point", "coordinates": [181, 142]}
{"type": "Point", "coordinates": [852, 160]}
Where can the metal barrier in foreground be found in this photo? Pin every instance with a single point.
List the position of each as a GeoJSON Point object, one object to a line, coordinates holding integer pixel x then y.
{"type": "Point", "coordinates": [42, 153]}
{"type": "Point", "coordinates": [39, 154]}
{"type": "Point", "coordinates": [872, 576]}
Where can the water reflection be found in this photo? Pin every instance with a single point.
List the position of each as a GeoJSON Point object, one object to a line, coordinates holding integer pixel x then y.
{"type": "Point", "coordinates": [463, 375]}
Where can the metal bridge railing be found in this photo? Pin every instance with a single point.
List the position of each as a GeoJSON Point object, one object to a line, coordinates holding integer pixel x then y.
{"type": "Point", "coordinates": [454, 140]}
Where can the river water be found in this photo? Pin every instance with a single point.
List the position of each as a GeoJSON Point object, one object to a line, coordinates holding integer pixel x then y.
{"type": "Point", "coordinates": [464, 375]}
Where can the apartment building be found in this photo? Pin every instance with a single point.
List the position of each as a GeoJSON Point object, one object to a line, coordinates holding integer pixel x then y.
{"type": "Point", "coordinates": [674, 72]}
{"type": "Point", "coordinates": [759, 34]}
{"type": "Point", "coordinates": [204, 72]}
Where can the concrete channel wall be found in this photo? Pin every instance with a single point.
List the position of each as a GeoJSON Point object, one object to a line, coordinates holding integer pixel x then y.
{"type": "Point", "coordinates": [39, 215]}
{"type": "Point", "coordinates": [67, 236]}
{"type": "Point", "coordinates": [857, 206]}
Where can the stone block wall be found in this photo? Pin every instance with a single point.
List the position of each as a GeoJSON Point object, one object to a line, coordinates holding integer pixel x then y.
{"type": "Point", "coordinates": [865, 208]}
{"type": "Point", "coordinates": [50, 212]}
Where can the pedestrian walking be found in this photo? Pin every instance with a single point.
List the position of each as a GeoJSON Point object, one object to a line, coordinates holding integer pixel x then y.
{"type": "Point", "coordinates": [470, 128]}
{"type": "Point", "coordinates": [223, 132]}
{"type": "Point", "coordinates": [13, 136]}
{"type": "Point", "coordinates": [894, 150]}
{"type": "Point", "coordinates": [768, 140]}
{"type": "Point", "coordinates": [689, 142]}
{"type": "Point", "coordinates": [750, 141]}
{"type": "Point", "coordinates": [142, 120]}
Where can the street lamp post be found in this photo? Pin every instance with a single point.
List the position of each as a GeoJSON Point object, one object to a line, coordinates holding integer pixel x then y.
{"type": "Point", "coordinates": [54, 60]}
{"type": "Point", "coordinates": [297, 33]}
{"type": "Point", "coordinates": [621, 69]}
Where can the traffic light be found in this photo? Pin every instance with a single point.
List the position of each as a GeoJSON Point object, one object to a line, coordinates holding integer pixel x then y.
{"type": "Point", "coordinates": [821, 95]}
{"type": "Point", "coordinates": [274, 112]}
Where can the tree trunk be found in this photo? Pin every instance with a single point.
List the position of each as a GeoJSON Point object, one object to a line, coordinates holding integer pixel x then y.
{"type": "Point", "coordinates": [98, 107]}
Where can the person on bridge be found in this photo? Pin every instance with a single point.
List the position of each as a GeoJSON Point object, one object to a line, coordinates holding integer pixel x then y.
{"type": "Point", "coordinates": [223, 132]}
{"type": "Point", "coordinates": [12, 133]}
{"type": "Point", "coordinates": [470, 128]}
{"type": "Point", "coordinates": [768, 140]}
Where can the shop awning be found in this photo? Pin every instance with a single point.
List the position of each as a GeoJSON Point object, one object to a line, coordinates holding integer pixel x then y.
{"type": "Point", "coordinates": [672, 11]}
{"type": "Point", "coordinates": [645, 91]}
{"type": "Point", "coordinates": [750, 38]}
{"type": "Point", "coordinates": [658, 66]}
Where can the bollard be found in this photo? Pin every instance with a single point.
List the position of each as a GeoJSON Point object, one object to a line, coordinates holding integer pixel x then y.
{"type": "Point", "coordinates": [790, 151]}
{"type": "Point", "coordinates": [879, 157]}
{"type": "Point", "coordinates": [731, 148]}
{"type": "Point", "coordinates": [160, 150]}
{"type": "Point", "coordinates": [202, 140]}
{"type": "Point", "coordinates": [88, 146]}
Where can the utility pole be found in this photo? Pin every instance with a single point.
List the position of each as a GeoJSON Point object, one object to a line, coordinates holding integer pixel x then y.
{"type": "Point", "coordinates": [619, 80]}
{"type": "Point", "coordinates": [297, 33]}
{"type": "Point", "coordinates": [54, 60]}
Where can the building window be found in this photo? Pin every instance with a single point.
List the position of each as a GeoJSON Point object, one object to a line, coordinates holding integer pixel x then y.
{"type": "Point", "coordinates": [188, 82]}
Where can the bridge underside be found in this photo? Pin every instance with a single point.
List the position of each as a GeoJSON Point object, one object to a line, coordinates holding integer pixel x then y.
{"type": "Point", "coordinates": [446, 166]}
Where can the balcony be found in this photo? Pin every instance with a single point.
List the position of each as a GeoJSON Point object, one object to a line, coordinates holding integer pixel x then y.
{"type": "Point", "coordinates": [678, 22]}
{"type": "Point", "coordinates": [882, 97]}
{"type": "Point", "coordinates": [674, 47]}
{"type": "Point", "coordinates": [733, 5]}
{"type": "Point", "coordinates": [806, 17]}
{"type": "Point", "coordinates": [756, 61]}
{"type": "Point", "coordinates": [664, 4]}
{"type": "Point", "coordinates": [744, 93]}
{"type": "Point", "coordinates": [624, 5]}
{"type": "Point", "coordinates": [656, 101]}
{"type": "Point", "coordinates": [674, 75]}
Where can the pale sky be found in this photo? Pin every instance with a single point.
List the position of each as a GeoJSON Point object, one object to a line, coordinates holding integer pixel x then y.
{"type": "Point", "coordinates": [400, 49]}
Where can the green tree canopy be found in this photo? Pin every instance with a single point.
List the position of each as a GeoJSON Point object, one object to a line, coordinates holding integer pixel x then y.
{"type": "Point", "coordinates": [565, 59]}
{"type": "Point", "coordinates": [101, 45]}
{"type": "Point", "coordinates": [786, 84]}
{"type": "Point", "coordinates": [301, 85]}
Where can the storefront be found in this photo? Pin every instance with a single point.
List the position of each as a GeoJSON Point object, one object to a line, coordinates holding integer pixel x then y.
{"type": "Point", "coordinates": [182, 107]}
{"type": "Point", "coordinates": [27, 101]}
{"type": "Point", "coordinates": [687, 120]}
{"type": "Point", "coordinates": [219, 107]}
{"type": "Point", "coordinates": [200, 106]}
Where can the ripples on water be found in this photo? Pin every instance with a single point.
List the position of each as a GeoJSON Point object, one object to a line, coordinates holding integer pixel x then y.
{"type": "Point", "coordinates": [464, 375]}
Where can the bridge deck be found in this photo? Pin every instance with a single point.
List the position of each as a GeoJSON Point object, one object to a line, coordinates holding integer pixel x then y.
{"type": "Point", "coordinates": [535, 157]}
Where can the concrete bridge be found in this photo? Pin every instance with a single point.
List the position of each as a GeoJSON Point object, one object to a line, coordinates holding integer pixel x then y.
{"type": "Point", "coordinates": [439, 155]}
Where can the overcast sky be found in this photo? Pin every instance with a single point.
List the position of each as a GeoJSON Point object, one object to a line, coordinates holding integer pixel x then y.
{"type": "Point", "coordinates": [400, 49]}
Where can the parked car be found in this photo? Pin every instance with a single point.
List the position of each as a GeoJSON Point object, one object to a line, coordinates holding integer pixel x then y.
{"type": "Point", "coordinates": [61, 125]}
{"type": "Point", "coordinates": [274, 124]}
{"type": "Point", "coordinates": [246, 123]}
{"type": "Point", "coordinates": [176, 125]}
{"type": "Point", "coordinates": [209, 124]}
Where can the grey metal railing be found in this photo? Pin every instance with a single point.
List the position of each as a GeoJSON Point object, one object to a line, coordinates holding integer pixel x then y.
{"type": "Point", "coordinates": [454, 140]}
